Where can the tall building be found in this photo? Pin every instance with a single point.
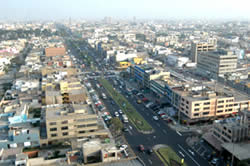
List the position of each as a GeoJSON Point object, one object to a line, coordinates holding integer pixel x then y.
{"type": "Point", "coordinates": [197, 47]}
{"type": "Point", "coordinates": [217, 63]}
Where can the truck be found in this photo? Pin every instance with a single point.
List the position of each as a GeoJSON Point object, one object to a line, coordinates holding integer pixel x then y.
{"type": "Point", "coordinates": [124, 118]}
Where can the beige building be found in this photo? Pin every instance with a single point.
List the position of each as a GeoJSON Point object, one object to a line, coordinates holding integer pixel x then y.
{"type": "Point", "coordinates": [204, 102]}
{"type": "Point", "coordinates": [217, 63]}
{"type": "Point", "coordinates": [197, 47]}
{"type": "Point", "coordinates": [71, 121]}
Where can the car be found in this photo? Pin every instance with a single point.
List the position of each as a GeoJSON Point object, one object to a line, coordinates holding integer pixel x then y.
{"type": "Point", "coordinates": [141, 148]}
{"type": "Point", "coordinates": [150, 151]}
{"type": "Point", "coordinates": [123, 147]}
{"type": "Point", "coordinates": [116, 114]}
{"type": "Point", "coordinates": [155, 118]}
{"type": "Point", "coordinates": [190, 151]}
{"type": "Point", "coordinates": [120, 111]}
{"type": "Point", "coordinates": [125, 129]}
{"type": "Point", "coordinates": [138, 101]}
{"type": "Point", "coordinates": [214, 161]}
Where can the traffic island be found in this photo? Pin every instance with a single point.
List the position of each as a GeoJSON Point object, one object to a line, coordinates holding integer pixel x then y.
{"type": "Point", "coordinates": [134, 117]}
{"type": "Point", "coordinates": [168, 156]}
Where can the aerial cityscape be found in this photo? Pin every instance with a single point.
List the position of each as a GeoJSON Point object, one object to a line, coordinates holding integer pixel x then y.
{"type": "Point", "coordinates": [124, 83]}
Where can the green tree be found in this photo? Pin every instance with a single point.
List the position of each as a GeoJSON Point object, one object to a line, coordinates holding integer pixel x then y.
{"type": "Point", "coordinates": [116, 124]}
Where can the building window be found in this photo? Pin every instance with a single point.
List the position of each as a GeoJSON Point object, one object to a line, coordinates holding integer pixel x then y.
{"type": "Point", "coordinates": [90, 125]}
{"type": "Point", "coordinates": [221, 101]}
{"type": "Point", "coordinates": [65, 122]}
{"type": "Point", "coordinates": [196, 114]}
{"type": "Point", "coordinates": [53, 129]}
{"type": "Point", "coordinates": [207, 103]}
{"type": "Point", "coordinates": [52, 123]}
{"type": "Point", "coordinates": [196, 109]}
{"type": "Point", "coordinates": [65, 128]}
{"type": "Point", "coordinates": [219, 111]}
{"type": "Point", "coordinates": [187, 102]}
{"type": "Point", "coordinates": [206, 108]}
{"type": "Point", "coordinates": [65, 133]}
{"type": "Point", "coordinates": [197, 105]}
{"type": "Point", "coordinates": [221, 106]}
{"type": "Point", "coordinates": [186, 107]}
{"type": "Point", "coordinates": [53, 135]}
{"type": "Point", "coordinates": [81, 132]}
{"type": "Point", "coordinates": [205, 113]}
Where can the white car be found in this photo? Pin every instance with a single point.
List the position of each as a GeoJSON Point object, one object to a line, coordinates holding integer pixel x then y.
{"type": "Point", "coordinates": [190, 151]}
{"type": "Point", "coordinates": [155, 118]}
{"type": "Point", "coordinates": [116, 114]}
{"type": "Point", "coordinates": [120, 111]}
{"type": "Point", "coordinates": [123, 147]}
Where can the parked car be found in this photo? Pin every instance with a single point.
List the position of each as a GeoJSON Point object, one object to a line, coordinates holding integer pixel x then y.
{"type": "Point", "coordinates": [125, 129]}
{"type": "Point", "coordinates": [116, 114]}
{"type": "Point", "coordinates": [123, 147]}
{"type": "Point", "coordinates": [214, 161]}
{"type": "Point", "coordinates": [141, 148]}
{"type": "Point", "coordinates": [155, 118]}
{"type": "Point", "coordinates": [138, 101]}
{"type": "Point", "coordinates": [120, 112]}
{"type": "Point", "coordinates": [150, 151]}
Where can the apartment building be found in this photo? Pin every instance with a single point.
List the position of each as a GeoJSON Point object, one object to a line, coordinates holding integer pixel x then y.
{"type": "Point", "coordinates": [205, 102]}
{"type": "Point", "coordinates": [197, 47]}
{"type": "Point", "coordinates": [71, 121]}
{"type": "Point", "coordinates": [216, 64]}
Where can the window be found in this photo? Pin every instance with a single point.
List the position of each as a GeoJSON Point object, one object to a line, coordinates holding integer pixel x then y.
{"type": "Point", "coordinates": [196, 109]}
{"type": "Point", "coordinates": [65, 128]}
{"type": "Point", "coordinates": [196, 114]}
{"type": "Point", "coordinates": [221, 101]}
{"type": "Point", "coordinates": [81, 132]}
{"type": "Point", "coordinates": [89, 125]}
{"type": "Point", "coordinates": [205, 113]}
{"type": "Point", "coordinates": [207, 103]}
{"type": "Point", "coordinates": [221, 106]}
{"type": "Point", "coordinates": [53, 135]}
{"type": "Point", "coordinates": [186, 107]}
{"type": "Point", "coordinates": [65, 133]}
{"type": "Point", "coordinates": [52, 123]}
{"type": "Point", "coordinates": [65, 122]}
{"type": "Point", "coordinates": [197, 105]}
{"type": "Point", "coordinates": [206, 108]}
{"type": "Point", "coordinates": [219, 111]}
{"type": "Point", "coordinates": [53, 129]}
{"type": "Point", "coordinates": [187, 102]}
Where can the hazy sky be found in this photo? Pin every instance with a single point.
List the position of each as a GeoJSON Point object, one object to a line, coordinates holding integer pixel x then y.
{"type": "Point", "coordinates": [58, 9]}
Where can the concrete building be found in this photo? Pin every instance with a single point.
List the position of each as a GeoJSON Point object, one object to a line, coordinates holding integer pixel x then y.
{"type": "Point", "coordinates": [216, 64]}
{"type": "Point", "coordinates": [197, 47]}
{"type": "Point", "coordinates": [144, 74]}
{"type": "Point", "coordinates": [71, 121]}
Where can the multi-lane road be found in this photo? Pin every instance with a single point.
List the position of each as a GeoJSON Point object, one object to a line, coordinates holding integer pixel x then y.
{"type": "Point", "coordinates": [162, 133]}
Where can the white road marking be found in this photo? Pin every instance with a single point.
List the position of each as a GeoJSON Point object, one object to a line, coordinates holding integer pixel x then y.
{"type": "Point", "coordinates": [150, 161]}
{"type": "Point", "coordinates": [158, 124]}
{"type": "Point", "coordinates": [164, 131]}
{"type": "Point", "coordinates": [188, 155]}
{"type": "Point", "coordinates": [178, 133]}
{"type": "Point", "coordinates": [130, 132]}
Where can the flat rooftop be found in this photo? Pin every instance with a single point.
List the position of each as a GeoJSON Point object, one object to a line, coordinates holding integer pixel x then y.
{"type": "Point", "coordinates": [57, 111]}
{"type": "Point", "coordinates": [240, 150]}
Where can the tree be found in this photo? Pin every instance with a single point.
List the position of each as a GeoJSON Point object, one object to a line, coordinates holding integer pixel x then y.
{"type": "Point", "coordinates": [116, 124]}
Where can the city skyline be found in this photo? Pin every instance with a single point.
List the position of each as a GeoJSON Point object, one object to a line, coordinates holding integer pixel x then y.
{"type": "Point", "coordinates": [147, 9]}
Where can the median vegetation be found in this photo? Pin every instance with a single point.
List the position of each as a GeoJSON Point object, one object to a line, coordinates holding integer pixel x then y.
{"type": "Point", "coordinates": [134, 117]}
{"type": "Point", "coordinates": [169, 157]}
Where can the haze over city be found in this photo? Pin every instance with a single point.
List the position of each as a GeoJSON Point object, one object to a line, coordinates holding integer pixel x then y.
{"type": "Point", "coordinates": [124, 9]}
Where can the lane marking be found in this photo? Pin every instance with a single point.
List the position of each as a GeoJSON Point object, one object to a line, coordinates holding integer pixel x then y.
{"type": "Point", "coordinates": [150, 161]}
{"type": "Point", "coordinates": [158, 124]}
{"type": "Point", "coordinates": [178, 133]}
{"type": "Point", "coordinates": [188, 155]}
{"type": "Point", "coordinates": [164, 131]}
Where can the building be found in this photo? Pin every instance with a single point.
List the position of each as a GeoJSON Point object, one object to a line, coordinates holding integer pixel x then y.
{"type": "Point", "coordinates": [216, 64]}
{"type": "Point", "coordinates": [71, 121]}
{"type": "Point", "coordinates": [55, 51]}
{"type": "Point", "coordinates": [144, 74]}
{"type": "Point", "coordinates": [197, 47]}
